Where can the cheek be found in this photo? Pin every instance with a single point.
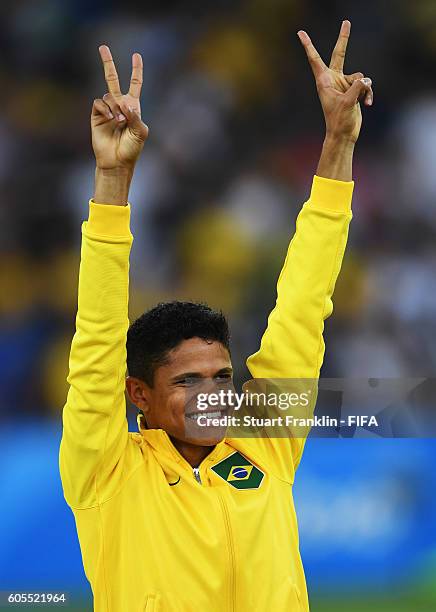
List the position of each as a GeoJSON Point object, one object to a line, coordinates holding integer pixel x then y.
{"type": "Point", "coordinates": [176, 403]}
{"type": "Point", "coordinates": [172, 407]}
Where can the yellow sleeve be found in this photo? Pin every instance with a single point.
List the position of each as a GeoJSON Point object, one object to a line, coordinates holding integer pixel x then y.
{"type": "Point", "coordinates": [94, 417]}
{"type": "Point", "coordinates": [292, 345]}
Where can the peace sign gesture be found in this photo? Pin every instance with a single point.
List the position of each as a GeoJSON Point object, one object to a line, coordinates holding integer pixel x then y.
{"type": "Point", "coordinates": [118, 134]}
{"type": "Point", "coordinates": [339, 93]}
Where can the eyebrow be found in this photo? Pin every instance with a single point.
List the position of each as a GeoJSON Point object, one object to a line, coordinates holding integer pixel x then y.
{"type": "Point", "coordinates": [178, 377]}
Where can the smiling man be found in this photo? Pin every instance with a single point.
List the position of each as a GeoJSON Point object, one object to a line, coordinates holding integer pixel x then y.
{"type": "Point", "coordinates": [168, 521]}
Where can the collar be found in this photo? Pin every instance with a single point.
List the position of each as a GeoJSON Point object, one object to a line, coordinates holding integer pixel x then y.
{"type": "Point", "coordinates": [160, 441]}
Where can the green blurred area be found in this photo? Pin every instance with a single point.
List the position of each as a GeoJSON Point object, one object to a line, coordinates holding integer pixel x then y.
{"type": "Point", "coordinates": [373, 605]}
{"type": "Point", "coordinates": [411, 603]}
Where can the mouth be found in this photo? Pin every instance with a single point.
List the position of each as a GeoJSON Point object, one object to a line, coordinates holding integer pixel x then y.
{"type": "Point", "coordinates": [215, 414]}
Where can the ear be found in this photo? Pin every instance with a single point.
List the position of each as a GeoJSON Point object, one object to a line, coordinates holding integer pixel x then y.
{"type": "Point", "coordinates": [137, 391]}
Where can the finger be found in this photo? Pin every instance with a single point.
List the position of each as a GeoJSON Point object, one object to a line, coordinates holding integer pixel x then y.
{"type": "Point", "coordinates": [134, 121]}
{"type": "Point", "coordinates": [110, 72]}
{"type": "Point", "coordinates": [350, 78]}
{"type": "Point", "coordinates": [369, 98]}
{"type": "Point", "coordinates": [136, 78]}
{"type": "Point", "coordinates": [358, 90]}
{"type": "Point", "coordinates": [313, 56]}
{"type": "Point", "coordinates": [135, 124]}
{"type": "Point", "coordinates": [338, 55]}
{"type": "Point", "coordinates": [110, 100]}
{"type": "Point", "coordinates": [99, 107]}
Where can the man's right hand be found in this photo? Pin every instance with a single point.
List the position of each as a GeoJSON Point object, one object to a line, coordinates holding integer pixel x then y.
{"type": "Point", "coordinates": [118, 134]}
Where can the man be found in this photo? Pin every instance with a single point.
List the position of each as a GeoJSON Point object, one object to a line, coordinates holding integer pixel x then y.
{"type": "Point", "coordinates": [165, 521]}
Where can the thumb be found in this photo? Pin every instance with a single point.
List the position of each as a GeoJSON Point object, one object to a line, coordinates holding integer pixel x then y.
{"type": "Point", "coordinates": [358, 90]}
{"type": "Point", "coordinates": [134, 122]}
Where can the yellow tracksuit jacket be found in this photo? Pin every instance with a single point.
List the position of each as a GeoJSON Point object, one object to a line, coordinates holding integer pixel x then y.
{"type": "Point", "coordinates": [154, 535]}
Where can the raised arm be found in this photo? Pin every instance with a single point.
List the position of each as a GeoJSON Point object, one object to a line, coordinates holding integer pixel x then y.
{"type": "Point", "coordinates": [292, 345]}
{"type": "Point", "coordinates": [95, 433]}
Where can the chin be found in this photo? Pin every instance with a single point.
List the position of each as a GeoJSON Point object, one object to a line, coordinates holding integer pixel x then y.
{"type": "Point", "coordinates": [200, 436]}
{"type": "Point", "coordinates": [205, 441]}
{"type": "Point", "coordinates": [203, 436]}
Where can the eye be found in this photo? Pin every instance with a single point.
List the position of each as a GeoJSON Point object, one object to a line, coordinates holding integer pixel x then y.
{"type": "Point", "coordinates": [224, 376]}
{"type": "Point", "coordinates": [188, 380]}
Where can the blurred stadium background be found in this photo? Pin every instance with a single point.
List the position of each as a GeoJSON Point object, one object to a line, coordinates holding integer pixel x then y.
{"type": "Point", "coordinates": [235, 133]}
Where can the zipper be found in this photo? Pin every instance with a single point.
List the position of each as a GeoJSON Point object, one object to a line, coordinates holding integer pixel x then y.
{"type": "Point", "coordinates": [181, 459]}
{"type": "Point", "coordinates": [197, 475]}
{"type": "Point", "coordinates": [228, 528]}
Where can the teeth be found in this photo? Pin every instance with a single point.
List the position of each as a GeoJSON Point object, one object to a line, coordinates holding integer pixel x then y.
{"type": "Point", "coordinates": [210, 415]}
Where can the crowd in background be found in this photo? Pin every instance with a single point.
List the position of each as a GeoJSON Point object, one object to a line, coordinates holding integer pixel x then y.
{"type": "Point", "coordinates": [235, 133]}
{"type": "Point", "coordinates": [236, 130]}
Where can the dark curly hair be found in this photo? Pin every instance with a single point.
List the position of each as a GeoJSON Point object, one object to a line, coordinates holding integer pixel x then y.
{"type": "Point", "coordinates": [156, 332]}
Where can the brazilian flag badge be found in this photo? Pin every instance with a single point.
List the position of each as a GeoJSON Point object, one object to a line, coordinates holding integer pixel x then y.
{"type": "Point", "coordinates": [239, 472]}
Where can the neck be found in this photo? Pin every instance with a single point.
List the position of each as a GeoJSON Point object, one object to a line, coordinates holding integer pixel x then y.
{"type": "Point", "coordinates": [193, 453]}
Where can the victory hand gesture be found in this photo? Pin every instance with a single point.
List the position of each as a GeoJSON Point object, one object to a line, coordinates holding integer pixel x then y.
{"type": "Point", "coordinates": [339, 93]}
{"type": "Point", "coordinates": [118, 133]}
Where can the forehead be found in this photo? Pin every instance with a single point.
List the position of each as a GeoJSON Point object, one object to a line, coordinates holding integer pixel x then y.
{"type": "Point", "coordinates": [197, 355]}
